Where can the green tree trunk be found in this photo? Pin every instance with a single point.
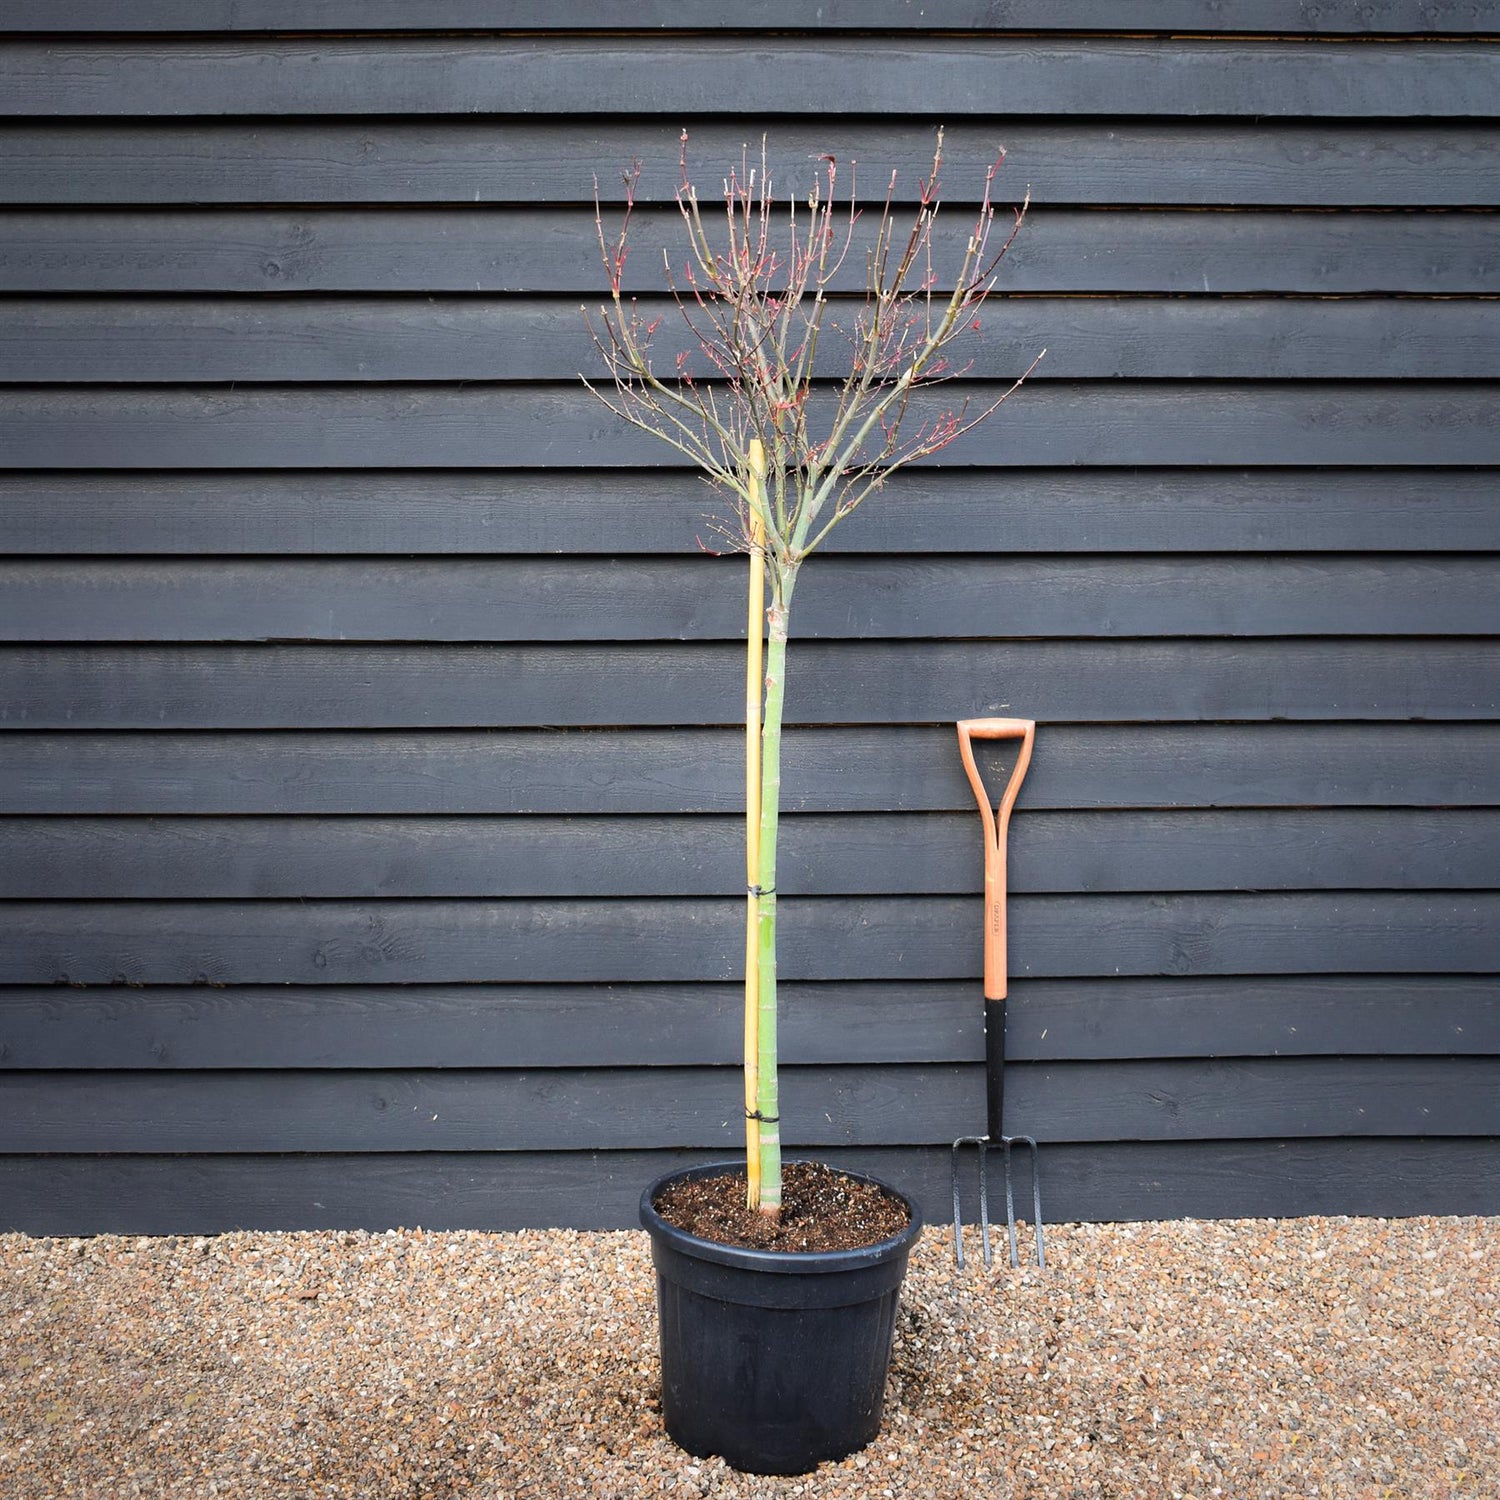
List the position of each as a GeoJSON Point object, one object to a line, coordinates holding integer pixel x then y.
{"type": "Point", "coordinates": [768, 1094]}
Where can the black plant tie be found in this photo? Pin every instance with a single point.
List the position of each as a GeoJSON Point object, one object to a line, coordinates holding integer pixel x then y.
{"type": "Point", "coordinates": [755, 1114]}
{"type": "Point", "coordinates": [761, 890]}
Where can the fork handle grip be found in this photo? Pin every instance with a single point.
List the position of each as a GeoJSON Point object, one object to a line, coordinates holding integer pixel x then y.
{"type": "Point", "coordinates": [996, 729]}
{"type": "Point", "coordinates": [996, 823]}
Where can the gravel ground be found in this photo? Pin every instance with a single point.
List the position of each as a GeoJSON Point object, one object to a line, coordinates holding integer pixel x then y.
{"type": "Point", "coordinates": [1327, 1357]}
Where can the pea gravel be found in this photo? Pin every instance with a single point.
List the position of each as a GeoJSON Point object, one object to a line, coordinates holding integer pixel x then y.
{"type": "Point", "coordinates": [1308, 1357]}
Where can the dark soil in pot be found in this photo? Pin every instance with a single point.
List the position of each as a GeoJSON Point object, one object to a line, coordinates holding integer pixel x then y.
{"type": "Point", "coordinates": [820, 1210]}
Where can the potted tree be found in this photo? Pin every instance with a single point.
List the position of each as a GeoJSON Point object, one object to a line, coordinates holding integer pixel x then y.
{"type": "Point", "coordinates": [798, 388]}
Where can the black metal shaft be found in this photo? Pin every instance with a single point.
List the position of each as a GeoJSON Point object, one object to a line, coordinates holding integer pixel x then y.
{"type": "Point", "coordinates": [994, 1068]}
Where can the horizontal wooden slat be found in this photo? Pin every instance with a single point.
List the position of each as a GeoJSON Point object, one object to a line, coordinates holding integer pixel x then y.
{"type": "Point", "coordinates": [1139, 510]}
{"type": "Point", "coordinates": [921, 938]}
{"type": "Point", "coordinates": [869, 854]}
{"type": "Point", "coordinates": [933, 510]}
{"type": "Point", "coordinates": [302, 687]}
{"type": "Point", "coordinates": [649, 599]}
{"type": "Point", "coordinates": [68, 1195]}
{"type": "Point", "coordinates": [475, 250]}
{"type": "Point", "coordinates": [842, 769]}
{"type": "Point", "coordinates": [1061, 422]}
{"type": "Point", "coordinates": [471, 1109]}
{"type": "Point", "coordinates": [1101, 978]}
{"type": "Point", "coordinates": [1047, 1019]}
{"type": "Point", "coordinates": [476, 1110]}
{"type": "Point", "coordinates": [91, 340]}
{"type": "Point", "coordinates": [642, 1025]}
{"type": "Point", "coordinates": [776, 75]}
{"type": "Point", "coordinates": [1111, 161]}
{"type": "Point", "coordinates": [1291, 17]}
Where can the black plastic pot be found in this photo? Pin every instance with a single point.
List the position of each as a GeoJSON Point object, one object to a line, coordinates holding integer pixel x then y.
{"type": "Point", "coordinates": [775, 1360]}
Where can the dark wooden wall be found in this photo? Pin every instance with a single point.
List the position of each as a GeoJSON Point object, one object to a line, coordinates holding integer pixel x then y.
{"type": "Point", "coordinates": [368, 761]}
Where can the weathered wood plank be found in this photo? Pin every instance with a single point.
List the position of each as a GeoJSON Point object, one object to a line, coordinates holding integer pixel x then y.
{"type": "Point", "coordinates": [305, 687]}
{"type": "Point", "coordinates": [707, 76]}
{"type": "Point", "coordinates": [695, 599]}
{"type": "Point", "coordinates": [640, 1025]}
{"type": "Point", "coordinates": [63, 1195]}
{"type": "Point", "coordinates": [493, 250]}
{"type": "Point", "coordinates": [527, 512]}
{"type": "Point", "coordinates": [821, 854]}
{"type": "Point", "coordinates": [93, 340]}
{"type": "Point", "coordinates": [1052, 423]}
{"type": "Point", "coordinates": [1376, 1015]}
{"type": "Point", "coordinates": [467, 1109]}
{"type": "Point", "coordinates": [845, 769]}
{"type": "Point", "coordinates": [1288, 17]}
{"type": "Point", "coordinates": [658, 941]}
{"type": "Point", "coordinates": [1343, 953]}
{"type": "Point", "coordinates": [473, 1109]}
{"type": "Point", "coordinates": [1256, 1179]}
{"type": "Point", "coordinates": [1279, 164]}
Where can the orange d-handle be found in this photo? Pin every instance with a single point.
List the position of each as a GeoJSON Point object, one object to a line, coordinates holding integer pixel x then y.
{"type": "Point", "coordinates": [996, 822]}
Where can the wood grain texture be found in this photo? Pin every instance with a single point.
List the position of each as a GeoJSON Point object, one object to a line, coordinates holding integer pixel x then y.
{"type": "Point", "coordinates": [920, 75]}
{"type": "Point", "coordinates": [112, 1027]}
{"type": "Point", "coordinates": [1427, 423]}
{"type": "Point", "coordinates": [843, 769]}
{"type": "Point", "coordinates": [1344, 1015]}
{"type": "Point", "coordinates": [369, 771]}
{"type": "Point", "coordinates": [649, 599]}
{"type": "Point", "coordinates": [1290, 17]}
{"type": "Point", "coordinates": [446, 687]}
{"type": "Point", "coordinates": [873, 854]}
{"type": "Point", "coordinates": [527, 512]}
{"type": "Point", "coordinates": [92, 340]}
{"type": "Point", "coordinates": [699, 941]}
{"type": "Point", "coordinates": [66, 1195]}
{"type": "Point", "coordinates": [524, 250]}
{"type": "Point", "coordinates": [632, 1109]}
{"type": "Point", "coordinates": [1279, 164]}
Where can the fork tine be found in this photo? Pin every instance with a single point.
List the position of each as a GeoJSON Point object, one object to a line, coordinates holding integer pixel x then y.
{"type": "Point", "coordinates": [983, 1145]}
{"type": "Point", "coordinates": [978, 1141]}
{"type": "Point", "coordinates": [1036, 1206]}
{"type": "Point", "coordinates": [958, 1221]}
{"type": "Point", "coordinates": [984, 1201]}
{"type": "Point", "coordinates": [1010, 1203]}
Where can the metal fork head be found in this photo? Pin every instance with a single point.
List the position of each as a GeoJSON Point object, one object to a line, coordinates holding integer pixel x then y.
{"type": "Point", "coordinates": [984, 1145]}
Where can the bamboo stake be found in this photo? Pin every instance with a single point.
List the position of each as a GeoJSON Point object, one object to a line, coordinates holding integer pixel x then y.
{"type": "Point", "coordinates": [754, 632]}
{"type": "Point", "coordinates": [768, 1096]}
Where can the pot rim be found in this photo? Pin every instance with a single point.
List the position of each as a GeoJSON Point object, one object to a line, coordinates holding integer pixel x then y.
{"type": "Point", "coordinates": [784, 1262]}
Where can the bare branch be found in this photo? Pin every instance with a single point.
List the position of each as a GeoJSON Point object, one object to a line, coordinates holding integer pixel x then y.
{"type": "Point", "coordinates": [756, 304]}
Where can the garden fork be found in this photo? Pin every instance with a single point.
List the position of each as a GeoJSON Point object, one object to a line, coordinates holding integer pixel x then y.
{"type": "Point", "coordinates": [996, 822]}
